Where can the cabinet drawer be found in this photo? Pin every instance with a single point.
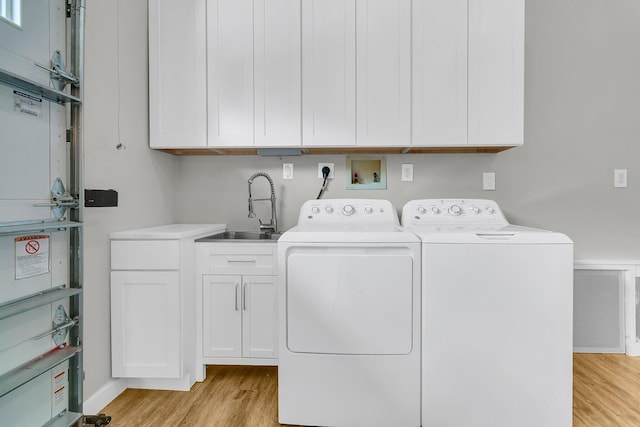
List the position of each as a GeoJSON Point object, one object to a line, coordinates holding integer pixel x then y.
{"type": "Point", "coordinates": [238, 259]}
{"type": "Point", "coordinates": [145, 254]}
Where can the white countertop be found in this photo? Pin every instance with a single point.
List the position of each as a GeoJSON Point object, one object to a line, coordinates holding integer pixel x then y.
{"type": "Point", "coordinates": [171, 231]}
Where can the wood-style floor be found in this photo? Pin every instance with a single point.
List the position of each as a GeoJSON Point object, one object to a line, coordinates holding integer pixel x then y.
{"type": "Point", "coordinates": [606, 393]}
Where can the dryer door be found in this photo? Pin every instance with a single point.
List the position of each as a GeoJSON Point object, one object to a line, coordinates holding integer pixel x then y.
{"type": "Point", "coordinates": [349, 300]}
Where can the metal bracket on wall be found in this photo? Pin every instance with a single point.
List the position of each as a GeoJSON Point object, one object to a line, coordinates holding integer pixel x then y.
{"type": "Point", "coordinates": [60, 77]}
{"type": "Point", "coordinates": [60, 200]}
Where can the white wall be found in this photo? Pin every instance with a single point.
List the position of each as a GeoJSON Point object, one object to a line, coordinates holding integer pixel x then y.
{"type": "Point", "coordinates": [582, 120]}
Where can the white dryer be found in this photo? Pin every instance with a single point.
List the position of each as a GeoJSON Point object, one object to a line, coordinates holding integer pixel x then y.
{"type": "Point", "coordinates": [349, 352]}
{"type": "Point", "coordinates": [497, 303]}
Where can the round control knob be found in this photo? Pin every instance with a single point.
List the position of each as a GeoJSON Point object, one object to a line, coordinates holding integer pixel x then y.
{"type": "Point", "coordinates": [328, 209]}
{"type": "Point", "coordinates": [348, 210]}
{"type": "Point", "coordinates": [368, 210]}
{"type": "Point", "coordinates": [455, 210]}
{"type": "Point", "coordinates": [315, 210]}
{"type": "Point", "coordinates": [435, 210]}
{"type": "Point", "coordinates": [490, 210]}
{"type": "Point", "coordinates": [421, 210]}
{"type": "Point", "coordinates": [475, 210]}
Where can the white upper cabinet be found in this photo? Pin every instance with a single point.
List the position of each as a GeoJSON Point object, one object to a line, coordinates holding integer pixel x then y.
{"type": "Point", "coordinates": [383, 76]}
{"type": "Point", "coordinates": [356, 73]}
{"type": "Point", "coordinates": [329, 72]}
{"type": "Point", "coordinates": [496, 72]}
{"type": "Point", "coordinates": [440, 72]}
{"type": "Point", "coordinates": [336, 73]}
{"type": "Point", "coordinates": [277, 59]}
{"type": "Point", "coordinates": [253, 73]}
{"type": "Point", "coordinates": [230, 72]}
{"type": "Point", "coordinates": [177, 74]}
{"type": "Point", "coordinates": [468, 72]}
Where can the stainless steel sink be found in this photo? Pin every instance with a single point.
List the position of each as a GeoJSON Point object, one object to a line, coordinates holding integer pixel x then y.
{"type": "Point", "coordinates": [241, 236]}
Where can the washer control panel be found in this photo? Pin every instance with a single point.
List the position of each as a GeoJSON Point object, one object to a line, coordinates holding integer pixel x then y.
{"type": "Point", "coordinates": [355, 211]}
{"type": "Point", "coordinates": [452, 211]}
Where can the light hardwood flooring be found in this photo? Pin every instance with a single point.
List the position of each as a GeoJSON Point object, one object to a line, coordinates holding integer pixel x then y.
{"type": "Point", "coordinates": [606, 393]}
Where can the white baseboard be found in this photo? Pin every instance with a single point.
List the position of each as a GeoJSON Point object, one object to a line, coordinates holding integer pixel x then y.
{"type": "Point", "coordinates": [95, 403]}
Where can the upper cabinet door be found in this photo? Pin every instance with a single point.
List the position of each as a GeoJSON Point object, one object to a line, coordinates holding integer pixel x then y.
{"type": "Point", "coordinates": [496, 72]}
{"type": "Point", "coordinates": [383, 34]}
{"type": "Point", "coordinates": [230, 72]}
{"type": "Point", "coordinates": [177, 74]}
{"type": "Point", "coordinates": [329, 72]}
{"type": "Point", "coordinates": [439, 72]}
{"type": "Point", "coordinates": [277, 73]}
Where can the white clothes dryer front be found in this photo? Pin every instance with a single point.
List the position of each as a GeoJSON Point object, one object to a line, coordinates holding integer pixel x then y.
{"type": "Point", "coordinates": [497, 304]}
{"type": "Point", "coordinates": [349, 293]}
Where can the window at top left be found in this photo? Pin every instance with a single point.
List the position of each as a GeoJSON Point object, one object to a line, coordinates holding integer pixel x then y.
{"type": "Point", "coordinates": [10, 10]}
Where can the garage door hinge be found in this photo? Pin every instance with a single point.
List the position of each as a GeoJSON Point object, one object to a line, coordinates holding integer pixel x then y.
{"type": "Point", "coordinates": [60, 77]}
{"type": "Point", "coordinates": [60, 200]}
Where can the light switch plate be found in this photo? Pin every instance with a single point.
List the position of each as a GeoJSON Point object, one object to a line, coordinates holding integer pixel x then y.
{"type": "Point", "coordinates": [620, 178]}
{"type": "Point", "coordinates": [489, 181]}
{"type": "Point", "coordinates": [407, 172]}
{"type": "Point", "coordinates": [287, 171]}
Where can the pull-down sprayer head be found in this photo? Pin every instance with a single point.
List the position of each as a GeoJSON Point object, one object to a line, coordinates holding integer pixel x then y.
{"type": "Point", "coordinates": [273, 225]}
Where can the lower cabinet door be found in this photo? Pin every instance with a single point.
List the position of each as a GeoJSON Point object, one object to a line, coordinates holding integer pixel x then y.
{"type": "Point", "coordinates": [222, 315]}
{"type": "Point", "coordinates": [145, 319]}
{"type": "Point", "coordinates": [260, 315]}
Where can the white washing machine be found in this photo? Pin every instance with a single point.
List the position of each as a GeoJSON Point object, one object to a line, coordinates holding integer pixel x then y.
{"type": "Point", "coordinates": [349, 352]}
{"type": "Point", "coordinates": [497, 302]}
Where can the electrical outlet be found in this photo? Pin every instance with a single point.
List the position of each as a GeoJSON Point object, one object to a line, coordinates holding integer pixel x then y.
{"type": "Point", "coordinates": [287, 171]}
{"type": "Point", "coordinates": [620, 178]}
{"type": "Point", "coordinates": [407, 172]}
{"type": "Point", "coordinates": [489, 181]}
{"type": "Point", "coordinates": [331, 169]}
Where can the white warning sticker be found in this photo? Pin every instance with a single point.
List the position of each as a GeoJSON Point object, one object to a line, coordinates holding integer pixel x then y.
{"type": "Point", "coordinates": [32, 255]}
{"type": "Point", "coordinates": [27, 104]}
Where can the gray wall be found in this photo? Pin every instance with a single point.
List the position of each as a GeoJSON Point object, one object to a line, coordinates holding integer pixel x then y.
{"type": "Point", "coordinates": [116, 111]}
{"type": "Point", "coordinates": [582, 121]}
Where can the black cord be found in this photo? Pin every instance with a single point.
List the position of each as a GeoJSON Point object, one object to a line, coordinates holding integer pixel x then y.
{"type": "Point", "coordinates": [324, 184]}
{"type": "Point", "coordinates": [325, 175]}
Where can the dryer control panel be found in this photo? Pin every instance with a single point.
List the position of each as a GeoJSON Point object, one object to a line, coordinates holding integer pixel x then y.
{"type": "Point", "coordinates": [348, 211]}
{"type": "Point", "coordinates": [452, 211]}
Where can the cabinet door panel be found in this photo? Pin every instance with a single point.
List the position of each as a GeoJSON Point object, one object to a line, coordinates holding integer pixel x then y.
{"type": "Point", "coordinates": [277, 73]}
{"type": "Point", "coordinates": [328, 72]}
{"type": "Point", "coordinates": [222, 316]}
{"type": "Point", "coordinates": [177, 74]}
{"type": "Point", "coordinates": [496, 72]}
{"type": "Point", "coordinates": [230, 72]}
{"type": "Point", "coordinates": [260, 315]}
{"type": "Point", "coordinates": [145, 322]}
{"type": "Point", "coordinates": [439, 72]}
{"type": "Point", "coordinates": [383, 72]}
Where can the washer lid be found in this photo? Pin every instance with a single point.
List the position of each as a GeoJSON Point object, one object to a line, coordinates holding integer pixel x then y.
{"type": "Point", "coordinates": [483, 234]}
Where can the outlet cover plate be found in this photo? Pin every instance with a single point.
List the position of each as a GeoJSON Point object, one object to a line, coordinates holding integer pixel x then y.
{"type": "Point", "coordinates": [331, 172]}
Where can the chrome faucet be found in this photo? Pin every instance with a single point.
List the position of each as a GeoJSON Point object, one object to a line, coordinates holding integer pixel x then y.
{"type": "Point", "coordinates": [271, 227]}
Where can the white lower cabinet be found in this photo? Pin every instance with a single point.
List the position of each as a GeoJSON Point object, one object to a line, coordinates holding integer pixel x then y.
{"type": "Point", "coordinates": [238, 314]}
{"type": "Point", "coordinates": [153, 293]}
{"type": "Point", "coordinates": [145, 324]}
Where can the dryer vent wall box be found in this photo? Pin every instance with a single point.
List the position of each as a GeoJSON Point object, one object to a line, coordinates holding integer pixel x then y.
{"type": "Point", "coordinates": [100, 198]}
